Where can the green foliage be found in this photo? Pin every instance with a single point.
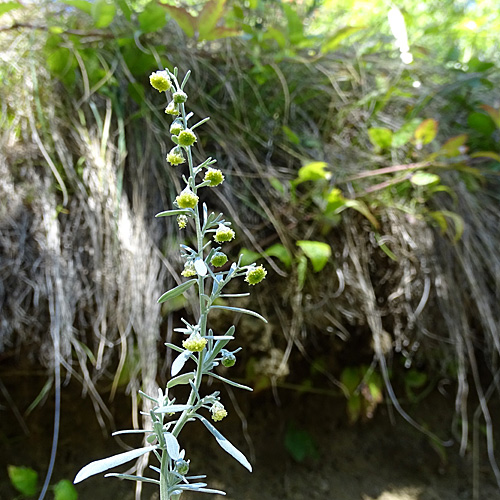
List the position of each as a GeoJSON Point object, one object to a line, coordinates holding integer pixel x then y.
{"type": "Point", "coordinates": [300, 444]}
{"type": "Point", "coordinates": [64, 490]}
{"type": "Point", "coordinates": [24, 480]}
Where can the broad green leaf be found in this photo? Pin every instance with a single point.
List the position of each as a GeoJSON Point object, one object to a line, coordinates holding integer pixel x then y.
{"type": "Point", "coordinates": [300, 444]}
{"type": "Point", "coordinates": [23, 479]}
{"type": "Point", "coordinates": [187, 22]}
{"type": "Point", "coordinates": [295, 26]}
{"type": "Point", "coordinates": [481, 122]}
{"type": "Point", "coordinates": [494, 114]}
{"type": "Point", "coordinates": [225, 444]}
{"type": "Point", "coordinates": [317, 252]}
{"type": "Point", "coordinates": [381, 138]}
{"type": "Point", "coordinates": [180, 379]}
{"type": "Point", "coordinates": [338, 37]}
{"type": "Point", "coordinates": [209, 16]}
{"type": "Point", "coordinates": [8, 6]}
{"type": "Point", "coordinates": [361, 207]}
{"type": "Point", "coordinates": [424, 179]}
{"type": "Point", "coordinates": [248, 256]}
{"type": "Point", "coordinates": [152, 18]}
{"type": "Point", "coordinates": [178, 290]}
{"type": "Point", "coordinates": [455, 146]}
{"type": "Point", "coordinates": [426, 132]}
{"type": "Point", "coordinates": [103, 12]}
{"type": "Point", "coordinates": [313, 171]}
{"type": "Point", "coordinates": [335, 200]}
{"type": "Point", "coordinates": [111, 462]}
{"type": "Point", "coordinates": [64, 490]}
{"type": "Point", "coordinates": [60, 61]}
{"type": "Point", "coordinates": [279, 251]}
{"type": "Point", "coordinates": [405, 133]}
{"type": "Point", "coordinates": [82, 5]}
{"type": "Point", "coordinates": [239, 309]}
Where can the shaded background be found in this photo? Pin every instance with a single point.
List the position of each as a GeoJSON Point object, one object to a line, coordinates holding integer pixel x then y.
{"type": "Point", "coordinates": [360, 143]}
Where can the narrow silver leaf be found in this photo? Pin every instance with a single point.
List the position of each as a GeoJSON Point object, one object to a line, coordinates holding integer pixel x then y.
{"type": "Point", "coordinates": [178, 290]}
{"type": "Point", "coordinates": [239, 309]}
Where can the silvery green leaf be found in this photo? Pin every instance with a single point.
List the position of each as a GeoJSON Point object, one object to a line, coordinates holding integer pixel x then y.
{"type": "Point", "coordinates": [172, 408]}
{"type": "Point", "coordinates": [130, 431]}
{"type": "Point", "coordinates": [200, 266]}
{"type": "Point", "coordinates": [178, 290]}
{"type": "Point", "coordinates": [180, 211]}
{"type": "Point", "coordinates": [217, 281]}
{"type": "Point", "coordinates": [192, 486]}
{"type": "Point", "coordinates": [239, 309]}
{"type": "Point", "coordinates": [180, 379]}
{"type": "Point", "coordinates": [230, 382]}
{"type": "Point", "coordinates": [233, 295]}
{"type": "Point", "coordinates": [220, 344]}
{"type": "Point", "coordinates": [174, 347]}
{"type": "Point", "coordinates": [179, 362]}
{"type": "Point", "coordinates": [110, 462]}
{"type": "Point", "coordinates": [173, 448]}
{"type": "Point", "coordinates": [225, 444]}
{"type": "Point", "coordinates": [218, 337]}
{"type": "Point", "coordinates": [231, 271]}
{"type": "Point", "coordinates": [133, 478]}
{"type": "Point", "coordinates": [205, 214]}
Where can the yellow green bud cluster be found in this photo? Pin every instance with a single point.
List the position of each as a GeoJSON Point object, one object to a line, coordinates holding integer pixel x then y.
{"type": "Point", "coordinates": [218, 411]}
{"type": "Point", "coordinates": [219, 259]}
{"type": "Point", "coordinates": [182, 466]}
{"type": "Point", "coordinates": [189, 270]}
{"type": "Point", "coordinates": [214, 176]}
{"type": "Point", "coordinates": [195, 343]}
{"type": "Point", "coordinates": [187, 199]}
{"type": "Point", "coordinates": [179, 97]}
{"type": "Point", "coordinates": [255, 275]}
{"type": "Point", "coordinates": [186, 138]}
{"type": "Point", "coordinates": [172, 109]}
{"type": "Point", "coordinates": [160, 81]}
{"type": "Point", "coordinates": [223, 234]}
{"type": "Point", "coordinates": [175, 156]}
{"type": "Point", "coordinates": [182, 221]}
{"type": "Point", "coordinates": [177, 127]}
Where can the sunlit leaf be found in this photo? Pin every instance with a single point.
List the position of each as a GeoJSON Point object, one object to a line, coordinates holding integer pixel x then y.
{"type": "Point", "coordinates": [180, 379]}
{"type": "Point", "coordinates": [405, 133]}
{"type": "Point", "coordinates": [82, 5]}
{"type": "Point", "coordinates": [152, 18]}
{"type": "Point", "coordinates": [209, 16]}
{"type": "Point", "coordinates": [381, 138]}
{"type": "Point", "coordinates": [317, 252]}
{"type": "Point", "coordinates": [24, 479]}
{"type": "Point", "coordinates": [8, 6]}
{"type": "Point", "coordinates": [338, 37]}
{"type": "Point", "coordinates": [426, 132]}
{"type": "Point", "coordinates": [225, 444]}
{"type": "Point", "coordinates": [455, 146]}
{"type": "Point", "coordinates": [361, 207]}
{"type": "Point", "coordinates": [248, 256]}
{"type": "Point", "coordinates": [290, 135]}
{"type": "Point", "coordinates": [179, 362]}
{"type": "Point", "coordinates": [64, 490]}
{"type": "Point", "coordinates": [279, 251]}
{"type": "Point", "coordinates": [103, 12]}
{"type": "Point", "coordinates": [111, 462]}
{"type": "Point", "coordinates": [295, 26]}
{"type": "Point", "coordinates": [187, 22]}
{"type": "Point", "coordinates": [313, 171]}
{"type": "Point", "coordinates": [241, 310]}
{"type": "Point", "coordinates": [424, 179]}
{"type": "Point", "coordinates": [178, 290]}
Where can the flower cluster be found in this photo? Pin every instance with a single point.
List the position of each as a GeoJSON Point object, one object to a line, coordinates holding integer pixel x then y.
{"type": "Point", "coordinates": [218, 411]}
{"type": "Point", "coordinates": [195, 343]}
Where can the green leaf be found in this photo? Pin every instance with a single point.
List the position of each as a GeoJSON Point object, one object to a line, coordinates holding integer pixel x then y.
{"type": "Point", "coordinates": [279, 251]}
{"type": "Point", "coordinates": [300, 444]}
{"type": "Point", "coordinates": [455, 146]}
{"type": "Point", "coordinates": [313, 171]}
{"type": "Point", "coordinates": [209, 16]}
{"type": "Point", "coordinates": [290, 135]}
{"type": "Point", "coordinates": [424, 179]}
{"type": "Point", "coordinates": [317, 252]}
{"type": "Point", "coordinates": [481, 122]}
{"type": "Point", "coordinates": [23, 479]}
{"type": "Point", "coordinates": [494, 114]}
{"type": "Point", "coordinates": [103, 13]}
{"type": "Point", "coordinates": [335, 200]}
{"type": "Point", "coordinates": [64, 490]}
{"type": "Point", "coordinates": [8, 6]}
{"type": "Point", "coordinates": [178, 290]}
{"type": "Point", "coordinates": [426, 132]}
{"type": "Point", "coordinates": [248, 256]}
{"type": "Point", "coordinates": [295, 26]}
{"type": "Point", "coordinates": [301, 271]}
{"type": "Point", "coordinates": [180, 379]}
{"type": "Point", "coordinates": [440, 217]}
{"type": "Point", "coordinates": [110, 462]}
{"type": "Point", "coordinates": [152, 18]}
{"type": "Point", "coordinates": [277, 36]}
{"type": "Point", "coordinates": [361, 207]}
{"type": "Point", "coordinates": [221, 32]}
{"type": "Point", "coordinates": [405, 133]}
{"type": "Point", "coordinates": [187, 22]}
{"type": "Point", "coordinates": [80, 5]}
{"type": "Point", "coordinates": [381, 138]}
{"type": "Point", "coordinates": [486, 154]}
{"type": "Point", "coordinates": [338, 37]}
{"type": "Point", "coordinates": [225, 444]}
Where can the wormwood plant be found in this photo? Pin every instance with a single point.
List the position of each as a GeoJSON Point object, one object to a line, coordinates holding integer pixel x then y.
{"type": "Point", "coordinates": [204, 264]}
